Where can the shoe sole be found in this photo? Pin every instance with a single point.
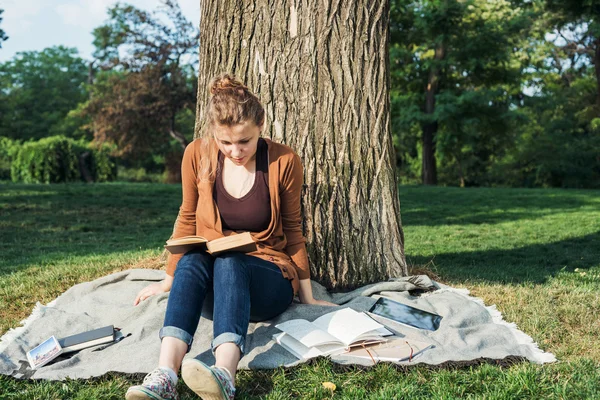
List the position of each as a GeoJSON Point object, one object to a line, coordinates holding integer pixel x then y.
{"type": "Point", "coordinates": [139, 394]}
{"type": "Point", "coordinates": [200, 378]}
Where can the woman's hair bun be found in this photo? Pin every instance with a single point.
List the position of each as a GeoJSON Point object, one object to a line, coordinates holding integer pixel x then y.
{"type": "Point", "coordinates": [227, 84]}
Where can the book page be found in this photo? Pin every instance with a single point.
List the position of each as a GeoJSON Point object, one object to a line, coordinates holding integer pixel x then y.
{"type": "Point", "coordinates": [306, 333]}
{"type": "Point", "coordinates": [241, 242]}
{"type": "Point", "coordinates": [186, 240]}
{"type": "Point", "coordinates": [347, 325]}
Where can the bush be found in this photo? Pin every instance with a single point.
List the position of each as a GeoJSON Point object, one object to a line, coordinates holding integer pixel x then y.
{"type": "Point", "coordinates": [56, 159]}
{"type": "Point", "coordinates": [8, 151]}
{"type": "Point", "coordinates": [104, 166]}
{"type": "Point", "coordinates": [49, 160]}
{"type": "Point", "coordinates": [140, 175]}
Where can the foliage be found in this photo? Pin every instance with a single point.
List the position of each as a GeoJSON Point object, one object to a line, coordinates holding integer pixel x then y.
{"type": "Point", "coordinates": [518, 98]}
{"type": "Point", "coordinates": [57, 159]}
{"type": "Point", "coordinates": [557, 142]}
{"type": "Point", "coordinates": [38, 89]}
{"type": "Point", "coordinates": [3, 36]}
{"type": "Point", "coordinates": [137, 105]}
{"type": "Point", "coordinates": [477, 78]}
{"type": "Point", "coordinates": [139, 175]}
{"type": "Point", "coordinates": [8, 151]}
{"type": "Point", "coordinates": [136, 110]}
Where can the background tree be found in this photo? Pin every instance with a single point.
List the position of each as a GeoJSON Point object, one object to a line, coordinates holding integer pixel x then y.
{"type": "Point", "coordinates": [37, 91]}
{"type": "Point", "coordinates": [141, 104]}
{"type": "Point", "coordinates": [578, 24]}
{"type": "Point", "coordinates": [3, 36]}
{"type": "Point", "coordinates": [321, 70]}
{"type": "Point", "coordinates": [456, 68]}
{"type": "Point", "coordinates": [558, 140]}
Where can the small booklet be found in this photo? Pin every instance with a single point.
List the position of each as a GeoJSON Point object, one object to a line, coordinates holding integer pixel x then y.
{"type": "Point", "coordinates": [396, 350]}
{"type": "Point", "coordinates": [52, 347]}
{"type": "Point", "coordinates": [242, 242]}
{"type": "Point", "coordinates": [41, 355]}
{"type": "Point", "coordinates": [331, 333]}
{"type": "Point", "coordinates": [406, 315]}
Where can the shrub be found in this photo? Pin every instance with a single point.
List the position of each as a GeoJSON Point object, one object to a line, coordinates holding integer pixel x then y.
{"type": "Point", "coordinates": [104, 167]}
{"type": "Point", "coordinates": [49, 160]}
{"type": "Point", "coordinates": [57, 159]}
{"type": "Point", "coordinates": [8, 151]}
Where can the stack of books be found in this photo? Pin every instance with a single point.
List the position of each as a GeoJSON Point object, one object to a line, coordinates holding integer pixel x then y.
{"type": "Point", "coordinates": [53, 347]}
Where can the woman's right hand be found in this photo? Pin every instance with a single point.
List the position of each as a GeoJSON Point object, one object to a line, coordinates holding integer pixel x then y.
{"type": "Point", "coordinates": [153, 289]}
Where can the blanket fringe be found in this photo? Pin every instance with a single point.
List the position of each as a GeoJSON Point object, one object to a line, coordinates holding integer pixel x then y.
{"type": "Point", "coordinates": [13, 333]}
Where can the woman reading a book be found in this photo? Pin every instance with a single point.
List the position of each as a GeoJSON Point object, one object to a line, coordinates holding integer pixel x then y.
{"type": "Point", "coordinates": [233, 181]}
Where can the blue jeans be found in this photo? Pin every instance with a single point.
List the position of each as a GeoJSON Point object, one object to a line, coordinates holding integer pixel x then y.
{"type": "Point", "coordinates": [245, 288]}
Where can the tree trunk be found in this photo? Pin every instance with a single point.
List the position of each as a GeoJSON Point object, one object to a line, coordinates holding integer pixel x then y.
{"type": "Point", "coordinates": [321, 69]}
{"type": "Point", "coordinates": [597, 69]}
{"type": "Point", "coordinates": [429, 171]}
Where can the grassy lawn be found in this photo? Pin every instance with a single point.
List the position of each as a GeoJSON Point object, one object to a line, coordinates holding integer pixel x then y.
{"type": "Point", "coordinates": [533, 253]}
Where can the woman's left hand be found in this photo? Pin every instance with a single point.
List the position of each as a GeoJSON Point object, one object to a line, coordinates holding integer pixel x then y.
{"type": "Point", "coordinates": [153, 289]}
{"type": "Point", "coordinates": [305, 295]}
{"type": "Point", "coordinates": [321, 303]}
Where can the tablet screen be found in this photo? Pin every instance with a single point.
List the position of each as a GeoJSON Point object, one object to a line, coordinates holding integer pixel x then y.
{"type": "Point", "coordinates": [404, 314]}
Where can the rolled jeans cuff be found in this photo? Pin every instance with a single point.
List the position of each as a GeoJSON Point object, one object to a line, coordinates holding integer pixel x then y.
{"type": "Point", "coordinates": [228, 337]}
{"type": "Point", "coordinates": [173, 331]}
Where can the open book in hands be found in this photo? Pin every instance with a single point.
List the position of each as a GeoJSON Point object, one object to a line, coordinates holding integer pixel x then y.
{"type": "Point", "coordinates": [242, 242]}
{"type": "Point", "coordinates": [331, 333]}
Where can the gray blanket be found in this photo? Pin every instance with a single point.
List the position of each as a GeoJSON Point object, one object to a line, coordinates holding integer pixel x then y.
{"type": "Point", "coordinates": [469, 329]}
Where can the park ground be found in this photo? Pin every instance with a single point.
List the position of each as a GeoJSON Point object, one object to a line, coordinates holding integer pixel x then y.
{"type": "Point", "coordinates": [535, 253]}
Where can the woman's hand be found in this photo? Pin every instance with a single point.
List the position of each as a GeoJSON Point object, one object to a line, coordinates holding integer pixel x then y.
{"type": "Point", "coordinates": [306, 296]}
{"type": "Point", "coordinates": [154, 288]}
{"type": "Point", "coordinates": [321, 303]}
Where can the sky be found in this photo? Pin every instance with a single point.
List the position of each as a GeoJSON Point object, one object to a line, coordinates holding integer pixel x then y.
{"type": "Point", "coordinates": [37, 24]}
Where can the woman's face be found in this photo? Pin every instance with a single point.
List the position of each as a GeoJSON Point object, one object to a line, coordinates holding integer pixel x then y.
{"type": "Point", "coordinates": [238, 142]}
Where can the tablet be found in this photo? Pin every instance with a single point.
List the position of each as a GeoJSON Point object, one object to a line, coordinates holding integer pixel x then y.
{"type": "Point", "coordinates": [406, 315]}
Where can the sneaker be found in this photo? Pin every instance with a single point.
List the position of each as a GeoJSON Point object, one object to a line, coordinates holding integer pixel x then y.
{"type": "Point", "coordinates": [210, 383]}
{"type": "Point", "coordinates": [157, 385]}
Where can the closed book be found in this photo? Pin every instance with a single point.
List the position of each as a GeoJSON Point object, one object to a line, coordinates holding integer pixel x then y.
{"type": "Point", "coordinates": [91, 338]}
{"type": "Point", "coordinates": [45, 352]}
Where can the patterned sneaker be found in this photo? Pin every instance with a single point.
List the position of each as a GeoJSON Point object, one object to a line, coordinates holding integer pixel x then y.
{"type": "Point", "coordinates": [210, 383]}
{"type": "Point", "coordinates": [157, 385]}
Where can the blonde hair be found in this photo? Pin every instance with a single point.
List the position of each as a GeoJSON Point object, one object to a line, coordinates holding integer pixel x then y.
{"type": "Point", "coordinates": [230, 103]}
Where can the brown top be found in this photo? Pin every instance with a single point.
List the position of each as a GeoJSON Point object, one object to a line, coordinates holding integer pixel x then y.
{"type": "Point", "coordinates": [282, 242]}
{"type": "Point", "coordinates": [251, 212]}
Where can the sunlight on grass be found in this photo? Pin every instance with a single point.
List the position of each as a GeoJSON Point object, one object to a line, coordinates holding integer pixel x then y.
{"type": "Point", "coordinates": [533, 253]}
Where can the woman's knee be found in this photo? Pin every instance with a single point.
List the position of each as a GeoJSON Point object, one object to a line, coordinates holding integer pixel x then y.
{"type": "Point", "coordinates": [230, 260]}
{"type": "Point", "coordinates": [195, 261]}
{"type": "Point", "coordinates": [230, 265]}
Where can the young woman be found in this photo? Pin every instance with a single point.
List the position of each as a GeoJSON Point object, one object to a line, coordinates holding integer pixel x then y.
{"type": "Point", "coordinates": [233, 181]}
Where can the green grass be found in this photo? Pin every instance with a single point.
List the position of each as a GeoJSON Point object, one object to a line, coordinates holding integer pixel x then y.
{"type": "Point", "coordinates": [533, 253]}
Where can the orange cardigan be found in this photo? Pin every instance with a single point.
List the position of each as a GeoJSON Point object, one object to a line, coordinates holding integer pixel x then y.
{"type": "Point", "coordinates": [281, 243]}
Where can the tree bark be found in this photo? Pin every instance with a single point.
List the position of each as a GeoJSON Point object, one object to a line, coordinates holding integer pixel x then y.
{"type": "Point", "coordinates": [321, 69]}
{"type": "Point", "coordinates": [429, 170]}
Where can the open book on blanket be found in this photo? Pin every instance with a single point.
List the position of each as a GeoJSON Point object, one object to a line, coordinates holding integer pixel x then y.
{"type": "Point", "coordinates": [331, 333]}
{"type": "Point", "coordinates": [242, 242]}
{"type": "Point", "coordinates": [396, 350]}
